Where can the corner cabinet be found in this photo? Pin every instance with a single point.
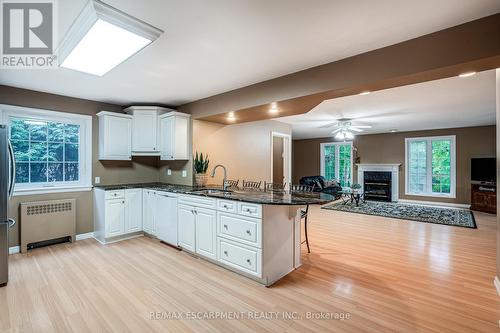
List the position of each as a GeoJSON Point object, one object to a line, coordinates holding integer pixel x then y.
{"type": "Point", "coordinates": [115, 136]}
{"type": "Point", "coordinates": [145, 129]}
{"type": "Point", "coordinates": [175, 136]}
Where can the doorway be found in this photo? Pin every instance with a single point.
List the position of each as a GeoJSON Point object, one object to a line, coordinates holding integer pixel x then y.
{"type": "Point", "coordinates": [281, 156]}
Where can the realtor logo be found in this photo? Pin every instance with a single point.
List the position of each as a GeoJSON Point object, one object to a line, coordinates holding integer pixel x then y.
{"type": "Point", "coordinates": [28, 34]}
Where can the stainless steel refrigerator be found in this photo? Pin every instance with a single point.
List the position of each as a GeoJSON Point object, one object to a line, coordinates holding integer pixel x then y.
{"type": "Point", "coordinates": [7, 180]}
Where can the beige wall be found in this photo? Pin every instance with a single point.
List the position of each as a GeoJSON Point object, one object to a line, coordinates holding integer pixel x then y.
{"type": "Point", "coordinates": [142, 169]}
{"type": "Point", "coordinates": [390, 148]}
{"type": "Point", "coordinates": [244, 149]}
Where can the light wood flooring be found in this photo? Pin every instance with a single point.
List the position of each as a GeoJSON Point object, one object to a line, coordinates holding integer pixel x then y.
{"type": "Point", "coordinates": [389, 275]}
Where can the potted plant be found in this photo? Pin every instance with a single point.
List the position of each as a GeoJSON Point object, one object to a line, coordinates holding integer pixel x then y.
{"type": "Point", "coordinates": [200, 169]}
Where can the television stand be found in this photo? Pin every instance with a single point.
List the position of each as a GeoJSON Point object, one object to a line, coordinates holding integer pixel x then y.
{"type": "Point", "coordinates": [484, 197]}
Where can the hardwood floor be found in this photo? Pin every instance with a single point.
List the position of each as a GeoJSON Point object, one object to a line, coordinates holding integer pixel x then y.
{"type": "Point", "coordinates": [389, 275]}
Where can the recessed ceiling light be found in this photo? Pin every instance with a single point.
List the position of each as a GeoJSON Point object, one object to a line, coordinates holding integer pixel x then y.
{"type": "Point", "coordinates": [230, 116]}
{"type": "Point", "coordinates": [274, 108]}
{"type": "Point", "coordinates": [393, 130]}
{"type": "Point", "coordinates": [364, 93]}
{"type": "Point", "coordinates": [467, 74]}
{"type": "Point", "coordinates": [102, 37]}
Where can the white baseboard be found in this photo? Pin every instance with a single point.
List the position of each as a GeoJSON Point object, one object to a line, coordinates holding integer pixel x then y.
{"type": "Point", "coordinates": [17, 249]}
{"type": "Point", "coordinates": [434, 203]}
{"type": "Point", "coordinates": [14, 249]}
{"type": "Point", "coordinates": [496, 282]}
{"type": "Point", "coordinates": [85, 236]}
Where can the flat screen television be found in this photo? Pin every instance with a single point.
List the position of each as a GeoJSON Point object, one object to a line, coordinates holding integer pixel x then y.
{"type": "Point", "coordinates": [484, 169]}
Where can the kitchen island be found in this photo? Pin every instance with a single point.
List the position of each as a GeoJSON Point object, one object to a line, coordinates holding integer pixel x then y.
{"type": "Point", "coordinates": [253, 233]}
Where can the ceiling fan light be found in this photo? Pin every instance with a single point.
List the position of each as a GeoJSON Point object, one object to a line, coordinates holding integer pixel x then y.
{"type": "Point", "coordinates": [339, 136]}
{"type": "Point", "coordinates": [349, 135]}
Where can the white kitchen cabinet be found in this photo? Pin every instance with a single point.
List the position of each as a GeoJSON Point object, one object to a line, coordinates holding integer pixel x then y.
{"type": "Point", "coordinates": [166, 217]}
{"type": "Point", "coordinates": [133, 210]}
{"type": "Point", "coordinates": [175, 137]}
{"type": "Point", "coordinates": [115, 217]}
{"type": "Point", "coordinates": [187, 227]}
{"type": "Point", "coordinates": [115, 136]}
{"type": "Point", "coordinates": [206, 234]}
{"type": "Point", "coordinates": [149, 211]}
{"type": "Point", "coordinates": [145, 129]}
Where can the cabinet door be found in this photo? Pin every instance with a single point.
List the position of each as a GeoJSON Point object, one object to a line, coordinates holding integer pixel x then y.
{"type": "Point", "coordinates": [187, 226]}
{"type": "Point", "coordinates": [115, 217]}
{"type": "Point", "coordinates": [181, 138]}
{"type": "Point", "coordinates": [149, 210]}
{"type": "Point", "coordinates": [117, 138]}
{"type": "Point", "coordinates": [133, 210]}
{"type": "Point", "coordinates": [206, 237]}
{"type": "Point", "coordinates": [144, 131]}
{"type": "Point", "coordinates": [166, 218]}
{"type": "Point", "coordinates": [167, 138]}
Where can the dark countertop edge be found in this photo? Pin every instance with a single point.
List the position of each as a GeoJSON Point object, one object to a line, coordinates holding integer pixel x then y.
{"type": "Point", "coordinates": [188, 190]}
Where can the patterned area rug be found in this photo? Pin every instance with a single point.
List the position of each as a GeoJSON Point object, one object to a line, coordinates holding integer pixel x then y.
{"type": "Point", "coordinates": [429, 214]}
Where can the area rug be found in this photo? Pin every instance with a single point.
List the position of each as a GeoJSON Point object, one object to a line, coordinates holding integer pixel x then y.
{"type": "Point", "coordinates": [448, 216]}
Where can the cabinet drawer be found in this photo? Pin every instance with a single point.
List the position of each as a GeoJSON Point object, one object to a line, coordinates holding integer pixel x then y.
{"type": "Point", "coordinates": [239, 228]}
{"type": "Point", "coordinates": [227, 206]}
{"type": "Point", "coordinates": [249, 209]}
{"type": "Point", "coordinates": [243, 258]}
{"type": "Point", "coordinates": [118, 194]}
{"type": "Point", "coordinates": [197, 201]}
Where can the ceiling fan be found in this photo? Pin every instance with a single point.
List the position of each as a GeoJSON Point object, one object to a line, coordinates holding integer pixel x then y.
{"type": "Point", "coordinates": [345, 129]}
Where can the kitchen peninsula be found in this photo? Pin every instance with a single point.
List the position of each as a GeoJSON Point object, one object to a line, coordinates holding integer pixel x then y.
{"type": "Point", "coordinates": [254, 233]}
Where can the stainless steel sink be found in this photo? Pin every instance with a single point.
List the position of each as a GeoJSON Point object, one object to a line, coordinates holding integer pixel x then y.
{"type": "Point", "coordinates": [212, 191]}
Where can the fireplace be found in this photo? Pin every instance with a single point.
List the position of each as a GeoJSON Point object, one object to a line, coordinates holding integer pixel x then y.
{"type": "Point", "coordinates": [377, 185]}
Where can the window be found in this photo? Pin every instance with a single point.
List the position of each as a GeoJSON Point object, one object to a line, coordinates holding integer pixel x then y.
{"type": "Point", "coordinates": [430, 166]}
{"type": "Point", "coordinates": [52, 149]}
{"type": "Point", "coordinates": [336, 162]}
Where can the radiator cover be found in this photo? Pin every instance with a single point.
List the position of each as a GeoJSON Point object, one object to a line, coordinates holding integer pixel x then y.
{"type": "Point", "coordinates": [47, 220]}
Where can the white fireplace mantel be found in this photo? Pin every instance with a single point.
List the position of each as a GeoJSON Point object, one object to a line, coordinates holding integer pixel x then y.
{"type": "Point", "coordinates": [388, 167]}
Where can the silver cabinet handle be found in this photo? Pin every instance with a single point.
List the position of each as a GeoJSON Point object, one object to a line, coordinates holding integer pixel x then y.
{"type": "Point", "coordinates": [225, 206]}
{"type": "Point", "coordinates": [225, 252]}
{"type": "Point", "coordinates": [249, 262]}
{"type": "Point", "coordinates": [248, 210]}
{"type": "Point", "coordinates": [12, 170]}
{"type": "Point", "coordinates": [248, 232]}
{"type": "Point", "coordinates": [225, 226]}
{"type": "Point", "coordinates": [12, 222]}
{"type": "Point", "coordinates": [123, 201]}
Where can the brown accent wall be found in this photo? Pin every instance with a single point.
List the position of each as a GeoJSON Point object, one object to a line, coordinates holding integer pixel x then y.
{"type": "Point", "coordinates": [143, 169]}
{"type": "Point", "coordinates": [498, 167]}
{"type": "Point", "coordinates": [390, 148]}
{"type": "Point", "coordinates": [244, 149]}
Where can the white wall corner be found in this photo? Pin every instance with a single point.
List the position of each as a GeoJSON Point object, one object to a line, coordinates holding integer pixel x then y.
{"type": "Point", "coordinates": [85, 236]}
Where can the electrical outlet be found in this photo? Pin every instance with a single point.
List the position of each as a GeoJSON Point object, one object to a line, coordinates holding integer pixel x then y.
{"type": "Point", "coordinates": [184, 173]}
{"type": "Point", "coordinates": [169, 172]}
{"type": "Point", "coordinates": [97, 180]}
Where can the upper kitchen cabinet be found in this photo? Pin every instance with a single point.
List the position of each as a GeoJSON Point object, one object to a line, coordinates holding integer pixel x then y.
{"type": "Point", "coordinates": [146, 129]}
{"type": "Point", "coordinates": [115, 136]}
{"type": "Point", "coordinates": [175, 136]}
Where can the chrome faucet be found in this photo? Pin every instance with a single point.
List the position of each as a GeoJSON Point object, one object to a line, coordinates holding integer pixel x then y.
{"type": "Point", "coordinates": [224, 181]}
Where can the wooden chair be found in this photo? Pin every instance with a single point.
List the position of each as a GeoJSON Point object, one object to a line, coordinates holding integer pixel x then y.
{"type": "Point", "coordinates": [274, 186]}
{"type": "Point", "coordinates": [232, 183]}
{"type": "Point", "coordinates": [251, 185]}
{"type": "Point", "coordinates": [303, 213]}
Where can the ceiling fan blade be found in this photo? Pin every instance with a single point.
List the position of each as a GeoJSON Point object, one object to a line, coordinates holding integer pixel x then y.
{"type": "Point", "coordinates": [329, 125]}
{"type": "Point", "coordinates": [337, 130]}
{"type": "Point", "coordinates": [362, 126]}
{"type": "Point", "coordinates": [355, 129]}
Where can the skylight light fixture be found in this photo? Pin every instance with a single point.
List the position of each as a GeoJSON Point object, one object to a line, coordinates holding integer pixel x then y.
{"type": "Point", "coordinates": [363, 93]}
{"type": "Point", "coordinates": [467, 74]}
{"type": "Point", "coordinates": [102, 37]}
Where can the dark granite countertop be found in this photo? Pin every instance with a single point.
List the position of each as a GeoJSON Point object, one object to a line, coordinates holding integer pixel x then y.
{"type": "Point", "coordinates": [253, 196]}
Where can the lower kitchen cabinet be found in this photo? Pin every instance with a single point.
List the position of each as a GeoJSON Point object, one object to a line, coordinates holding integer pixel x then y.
{"type": "Point", "coordinates": [165, 217]}
{"type": "Point", "coordinates": [133, 210]}
{"type": "Point", "coordinates": [187, 227]}
{"type": "Point", "coordinates": [148, 212]}
{"type": "Point", "coordinates": [115, 217]}
{"type": "Point", "coordinates": [206, 234]}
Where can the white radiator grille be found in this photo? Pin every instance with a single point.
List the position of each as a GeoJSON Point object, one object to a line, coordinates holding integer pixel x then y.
{"type": "Point", "coordinates": [48, 208]}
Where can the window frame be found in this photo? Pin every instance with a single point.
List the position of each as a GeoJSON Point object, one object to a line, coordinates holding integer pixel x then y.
{"type": "Point", "coordinates": [337, 157]}
{"type": "Point", "coordinates": [453, 167]}
{"type": "Point", "coordinates": [85, 148]}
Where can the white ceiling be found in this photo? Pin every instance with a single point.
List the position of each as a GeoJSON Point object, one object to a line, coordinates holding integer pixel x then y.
{"type": "Point", "coordinates": [446, 103]}
{"type": "Point", "coordinates": [210, 47]}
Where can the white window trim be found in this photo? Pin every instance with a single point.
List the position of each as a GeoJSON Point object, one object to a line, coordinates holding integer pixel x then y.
{"type": "Point", "coordinates": [322, 158]}
{"type": "Point", "coordinates": [85, 122]}
{"type": "Point", "coordinates": [453, 167]}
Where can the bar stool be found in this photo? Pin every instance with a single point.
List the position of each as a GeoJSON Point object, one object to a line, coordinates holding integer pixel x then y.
{"type": "Point", "coordinates": [303, 213]}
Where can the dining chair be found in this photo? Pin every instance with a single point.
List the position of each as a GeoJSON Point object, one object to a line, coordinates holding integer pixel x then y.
{"type": "Point", "coordinates": [251, 184]}
{"type": "Point", "coordinates": [274, 186]}
{"type": "Point", "coordinates": [232, 183]}
{"type": "Point", "coordinates": [303, 212]}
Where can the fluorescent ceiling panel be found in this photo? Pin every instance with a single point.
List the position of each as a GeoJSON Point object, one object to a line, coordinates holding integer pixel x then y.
{"type": "Point", "coordinates": [103, 37]}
